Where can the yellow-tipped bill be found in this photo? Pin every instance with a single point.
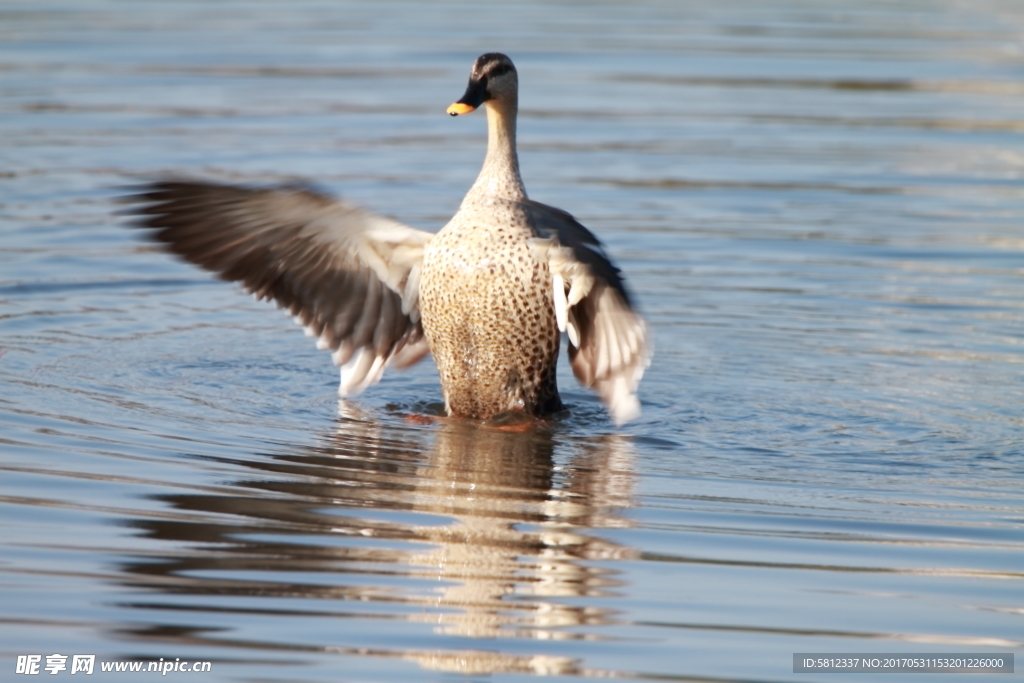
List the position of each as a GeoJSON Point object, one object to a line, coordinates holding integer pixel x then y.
{"type": "Point", "coordinates": [460, 108]}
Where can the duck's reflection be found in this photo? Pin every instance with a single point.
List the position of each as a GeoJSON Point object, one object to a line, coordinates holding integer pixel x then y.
{"type": "Point", "coordinates": [489, 532]}
{"type": "Point", "coordinates": [516, 541]}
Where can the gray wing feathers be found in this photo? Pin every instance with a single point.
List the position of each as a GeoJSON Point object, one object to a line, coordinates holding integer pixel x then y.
{"type": "Point", "coordinates": [608, 346]}
{"type": "Point", "coordinates": [350, 277]}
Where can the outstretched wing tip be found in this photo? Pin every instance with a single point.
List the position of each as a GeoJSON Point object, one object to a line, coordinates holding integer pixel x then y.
{"type": "Point", "coordinates": [618, 387]}
{"type": "Point", "coordinates": [625, 409]}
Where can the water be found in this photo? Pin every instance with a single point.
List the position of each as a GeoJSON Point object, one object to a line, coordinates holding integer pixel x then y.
{"type": "Point", "coordinates": [818, 206]}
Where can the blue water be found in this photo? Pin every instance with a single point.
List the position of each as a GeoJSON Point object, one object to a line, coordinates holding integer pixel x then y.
{"type": "Point", "coordinates": [817, 205]}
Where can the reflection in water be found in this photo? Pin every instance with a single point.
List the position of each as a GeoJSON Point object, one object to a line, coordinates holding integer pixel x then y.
{"type": "Point", "coordinates": [505, 550]}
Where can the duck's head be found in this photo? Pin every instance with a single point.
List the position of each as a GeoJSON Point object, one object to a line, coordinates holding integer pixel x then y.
{"type": "Point", "coordinates": [492, 79]}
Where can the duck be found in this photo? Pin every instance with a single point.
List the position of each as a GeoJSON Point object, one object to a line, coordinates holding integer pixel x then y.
{"type": "Point", "coordinates": [489, 296]}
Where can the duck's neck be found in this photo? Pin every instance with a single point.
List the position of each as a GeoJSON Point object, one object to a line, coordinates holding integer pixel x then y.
{"type": "Point", "coordinates": [499, 176]}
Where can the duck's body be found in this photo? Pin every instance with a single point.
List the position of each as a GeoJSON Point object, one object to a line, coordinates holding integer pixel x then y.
{"type": "Point", "coordinates": [488, 295]}
{"type": "Point", "coordinates": [488, 315]}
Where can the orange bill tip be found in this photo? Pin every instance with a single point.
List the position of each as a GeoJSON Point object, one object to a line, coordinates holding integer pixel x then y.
{"type": "Point", "coordinates": [460, 108]}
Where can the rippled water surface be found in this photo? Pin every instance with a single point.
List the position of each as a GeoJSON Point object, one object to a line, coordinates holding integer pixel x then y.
{"type": "Point", "coordinates": [819, 207]}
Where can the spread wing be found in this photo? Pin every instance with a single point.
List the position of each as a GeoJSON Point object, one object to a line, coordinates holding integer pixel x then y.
{"type": "Point", "coordinates": [350, 277]}
{"type": "Point", "coordinates": [608, 344]}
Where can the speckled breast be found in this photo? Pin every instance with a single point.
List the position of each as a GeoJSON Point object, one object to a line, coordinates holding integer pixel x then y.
{"type": "Point", "coordinates": [488, 315]}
